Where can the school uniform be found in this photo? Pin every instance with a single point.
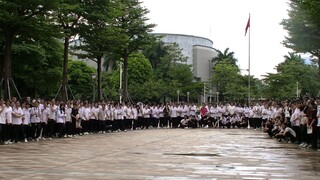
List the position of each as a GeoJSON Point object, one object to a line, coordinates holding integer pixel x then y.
{"type": "Point", "coordinates": [35, 113]}
{"type": "Point", "coordinates": [44, 122]}
{"type": "Point", "coordinates": [295, 123]}
{"type": "Point", "coordinates": [52, 120]}
{"type": "Point", "coordinates": [17, 115]}
{"type": "Point", "coordinates": [2, 125]}
{"type": "Point", "coordinates": [173, 117]}
{"type": "Point", "coordinates": [109, 118]}
{"type": "Point", "coordinates": [26, 123]}
{"type": "Point", "coordinates": [61, 119]}
{"type": "Point", "coordinates": [68, 123]}
{"type": "Point", "coordinates": [102, 113]}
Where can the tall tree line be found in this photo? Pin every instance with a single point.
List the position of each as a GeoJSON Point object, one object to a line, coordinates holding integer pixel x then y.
{"type": "Point", "coordinates": [117, 27]}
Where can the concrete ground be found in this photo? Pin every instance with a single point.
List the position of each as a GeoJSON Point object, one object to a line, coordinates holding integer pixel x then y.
{"type": "Point", "coordinates": [160, 154]}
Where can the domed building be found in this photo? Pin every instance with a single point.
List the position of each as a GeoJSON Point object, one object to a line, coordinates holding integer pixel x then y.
{"type": "Point", "coordinates": [199, 51]}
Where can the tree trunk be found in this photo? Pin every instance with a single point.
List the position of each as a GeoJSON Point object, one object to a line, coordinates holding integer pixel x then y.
{"type": "Point", "coordinates": [318, 68]}
{"type": "Point", "coordinates": [64, 89]}
{"type": "Point", "coordinates": [125, 78]}
{"type": "Point", "coordinates": [99, 63]}
{"type": "Point", "coordinates": [7, 61]}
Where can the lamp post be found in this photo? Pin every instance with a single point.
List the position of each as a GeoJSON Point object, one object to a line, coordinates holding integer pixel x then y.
{"type": "Point", "coordinates": [93, 76]}
{"type": "Point", "coordinates": [178, 92]}
{"type": "Point", "coordinates": [120, 88]}
{"type": "Point", "coordinates": [188, 96]}
{"type": "Point", "coordinates": [210, 93]}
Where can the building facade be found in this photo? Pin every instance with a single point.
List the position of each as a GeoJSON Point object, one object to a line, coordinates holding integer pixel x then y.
{"type": "Point", "coordinates": [199, 51]}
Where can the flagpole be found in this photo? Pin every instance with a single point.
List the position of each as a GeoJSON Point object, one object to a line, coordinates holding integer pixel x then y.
{"type": "Point", "coordinates": [249, 70]}
{"type": "Point", "coordinates": [248, 27]}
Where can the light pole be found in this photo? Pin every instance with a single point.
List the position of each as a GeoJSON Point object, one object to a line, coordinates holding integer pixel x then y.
{"type": "Point", "coordinates": [188, 96]}
{"type": "Point", "coordinates": [210, 93]}
{"type": "Point", "coordinates": [93, 76]}
{"type": "Point", "coordinates": [120, 88]}
{"type": "Point", "coordinates": [178, 92]}
{"type": "Point", "coordinates": [217, 96]}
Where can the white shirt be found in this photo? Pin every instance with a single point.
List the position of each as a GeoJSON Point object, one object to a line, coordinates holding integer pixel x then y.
{"type": "Point", "coordinates": [26, 116]}
{"type": "Point", "coordinates": [61, 116]}
{"type": "Point", "coordinates": [45, 115]}
{"type": "Point", "coordinates": [68, 114]}
{"type": "Point", "coordinates": [2, 115]}
{"type": "Point", "coordinates": [17, 120]}
{"type": "Point", "coordinates": [193, 110]}
{"type": "Point", "coordinates": [52, 112]}
{"type": "Point", "coordinates": [8, 114]}
{"type": "Point", "coordinates": [102, 114]}
{"type": "Point", "coordinates": [35, 113]}
{"type": "Point", "coordinates": [173, 112]}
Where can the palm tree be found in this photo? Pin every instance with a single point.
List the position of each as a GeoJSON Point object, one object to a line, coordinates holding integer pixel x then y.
{"type": "Point", "coordinates": [292, 57]}
{"type": "Point", "coordinates": [226, 55]}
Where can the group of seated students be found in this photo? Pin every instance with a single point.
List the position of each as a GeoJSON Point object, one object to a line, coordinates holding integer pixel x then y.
{"type": "Point", "coordinates": [297, 121]}
{"type": "Point", "coordinates": [300, 126]}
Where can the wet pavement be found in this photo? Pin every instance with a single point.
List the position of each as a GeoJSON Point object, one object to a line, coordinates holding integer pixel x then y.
{"type": "Point", "coordinates": [161, 154]}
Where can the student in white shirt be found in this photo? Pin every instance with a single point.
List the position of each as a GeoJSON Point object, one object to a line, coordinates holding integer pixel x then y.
{"type": "Point", "coordinates": [146, 117]}
{"type": "Point", "coordinates": [109, 117]}
{"type": "Point", "coordinates": [44, 120]}
{"type": "Point", "coordinates": [102, 114]}
{"type": "Point", "coordinates": [61, 119]}
{"type": "Point", "coordinates": [68, 123]}
{"type": "Point", "coordinates": [52, 118]}
{"type": "Point", "coordinates": [17, 115]}
{"type": "Point", "coordinates": [26, 121]}
{"type": "Point", "coordinates": [35, 114]}
{"type": "Point", "coordinates": [2, 122]}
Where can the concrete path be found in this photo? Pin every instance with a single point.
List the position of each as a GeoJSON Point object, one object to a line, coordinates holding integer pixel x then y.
{"type": "Point", "coordinates": [161, 154]}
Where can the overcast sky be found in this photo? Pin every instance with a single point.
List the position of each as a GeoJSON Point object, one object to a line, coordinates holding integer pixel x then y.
{"type": "Point", "coordinates": [224, 22]}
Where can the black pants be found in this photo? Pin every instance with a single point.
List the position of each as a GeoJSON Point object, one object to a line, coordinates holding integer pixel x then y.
{"type": "Point", "coordinates": [7, 132]}
{"type": "Point", "coordinates": [68, 128]}
{"type": "Point", "coordinates": [61, 129]}
{"type": "Point", "coordinates": [44, 129]}
{"type": "Point", "coordinates": [1, 133]}
{"type": "Point", "coordinates": [51, 127]}
{"type": "Point", "coordinates": [109, 125]}
{"type": "Point", "coordinates": [146, 123]}
{"type": "Point", "coordinates": [85, 126]}
{"type": "Point", "coordinates": [102, 125]}
{"type": "Point", "coordinates": [73, 127]}
{"type": "Point", "coordinates": [163, 122]}
{"type": "Point", "coordinates": [35, 130]}
{"type": "Point", "coordinates": [303, 134]}
{"type": "Point", "coordinates": [17, 132]}
{"type": "Point", "coordinates": [26, 130]}
{"type": "Point", "coordinates": [297, 131]}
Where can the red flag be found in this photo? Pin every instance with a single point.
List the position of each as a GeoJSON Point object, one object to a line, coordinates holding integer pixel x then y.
{"type": "Point", "coordinates": [248, 25]}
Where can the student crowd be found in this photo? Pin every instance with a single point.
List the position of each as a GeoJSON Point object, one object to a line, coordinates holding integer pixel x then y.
{"type": "Point", "coordinates": [297, 121]}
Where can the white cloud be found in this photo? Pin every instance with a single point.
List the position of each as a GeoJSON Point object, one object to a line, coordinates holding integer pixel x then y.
{"type": "Point", "coordinates": [224, 21]}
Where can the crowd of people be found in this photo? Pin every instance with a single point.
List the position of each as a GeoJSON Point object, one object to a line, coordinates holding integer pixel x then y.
{"type": "Point", "coordinates": [34, 120]}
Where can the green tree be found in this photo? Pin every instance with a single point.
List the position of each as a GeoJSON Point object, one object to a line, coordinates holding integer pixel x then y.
{"type": "Point", "coordinates": [135, 33]}
{"type": "Point", "coordinates": [80, 81]}
{"type": "Point", "coordinates": [21, 18]}
{"type": "Point", "coordinates": [303, 30]}
{"type": "Point", "coordinates": [67, 17]}
{"type": "Point", "coordinates": [140, 72]}
{"type": "Point", "coordinates": [225, 55]}
{"type": "Point", "coordinates": [99, 34]}
{"type": "Point", "coordinates": [229, 81]}
{"type": "Point", "coordinates": [35, 64]}
{"type": "Point", "coordinates": [293, 70]}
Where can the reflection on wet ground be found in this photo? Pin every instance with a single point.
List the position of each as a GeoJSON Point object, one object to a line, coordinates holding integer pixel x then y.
{"type": "Point", "coordinates": [161, 154]}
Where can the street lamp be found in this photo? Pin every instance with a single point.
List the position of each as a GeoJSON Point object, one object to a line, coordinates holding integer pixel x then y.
{"type": "Point", "coordinates": [93, 76]}
{"type": "Point", "coordinates": [178, 92]}
{"type": "Point", "coordinates": [188, 96]}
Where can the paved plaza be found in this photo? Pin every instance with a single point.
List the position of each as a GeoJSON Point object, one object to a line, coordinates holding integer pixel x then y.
{"type": "Point", "coordinates": [160, 154]}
